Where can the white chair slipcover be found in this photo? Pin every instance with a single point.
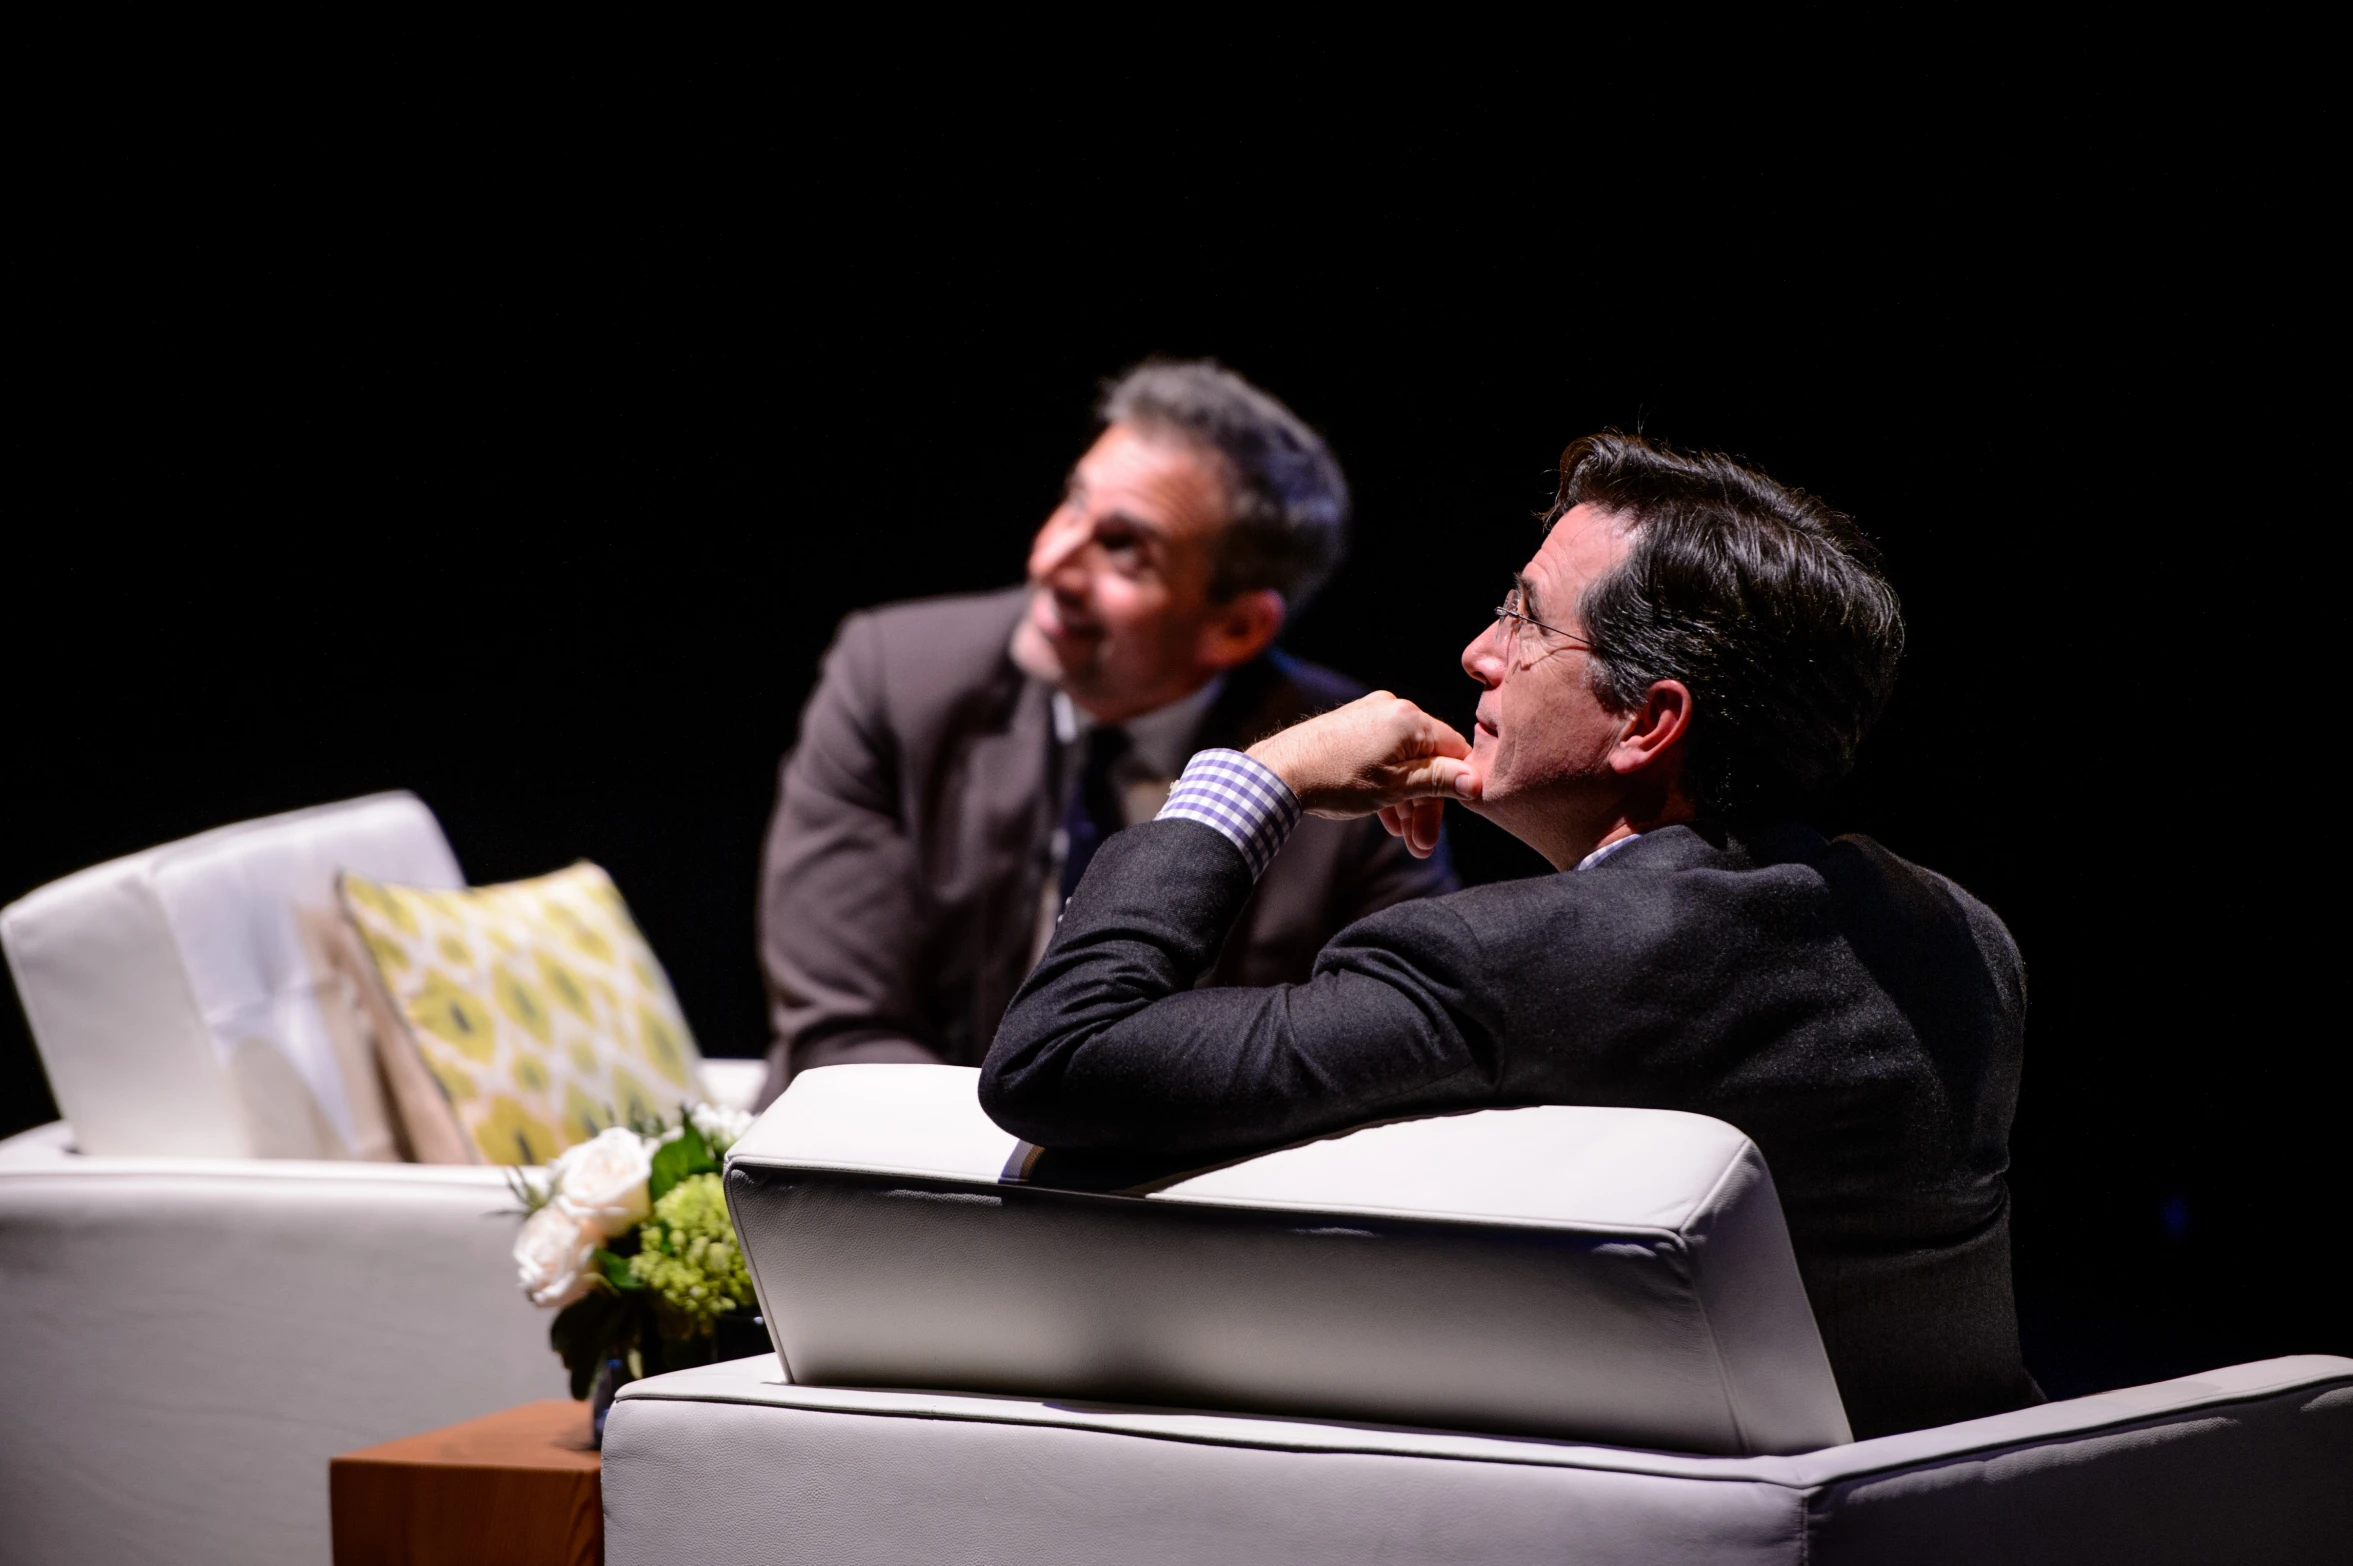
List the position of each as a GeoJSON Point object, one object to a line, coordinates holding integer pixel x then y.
{"type": "Point", "coordinates": [181, 998]}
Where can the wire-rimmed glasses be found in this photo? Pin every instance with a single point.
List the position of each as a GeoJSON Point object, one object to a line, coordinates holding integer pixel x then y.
{"type": "Point", "coordinates": [1513, 611]}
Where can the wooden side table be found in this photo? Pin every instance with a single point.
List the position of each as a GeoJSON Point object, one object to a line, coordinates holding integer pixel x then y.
{"type": "Point", "coordinates": [521, 1487]}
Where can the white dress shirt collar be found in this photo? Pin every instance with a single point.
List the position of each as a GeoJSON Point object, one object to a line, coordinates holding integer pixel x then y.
{"type": "Point", "coordinates": [1603, 852]}
{"type": "Point", "coordinates": [1161, 739]}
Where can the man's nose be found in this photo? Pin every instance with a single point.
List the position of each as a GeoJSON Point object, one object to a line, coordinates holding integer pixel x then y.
{"type": "Point", "coordinates": [1058, 558]}
{"type": "Point", "coordinates": [1480, 659]}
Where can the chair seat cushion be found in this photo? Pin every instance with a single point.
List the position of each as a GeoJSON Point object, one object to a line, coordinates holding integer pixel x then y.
{"type": "Point", "coordinates": [731, 1462]}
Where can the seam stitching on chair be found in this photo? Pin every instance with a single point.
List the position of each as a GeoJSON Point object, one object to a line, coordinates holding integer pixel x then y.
{"type": "Point", "coordinates": [1707, 1317]}
{"type": "Point", "coordinates": [2121, 1425]}
{"type": "Point", "coordinates": [1801, 1486]}
{"type": "Point", "coordinates": [1410, 1214]}
{"type": "Point", "coordinates": [752, 1266]}
{"type": "Point", "coordinates": [1194, 1438]}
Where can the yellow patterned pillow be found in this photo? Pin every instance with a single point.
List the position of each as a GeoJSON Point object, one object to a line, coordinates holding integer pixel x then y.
{"type": "Point", "coordinates": [513, 1021]}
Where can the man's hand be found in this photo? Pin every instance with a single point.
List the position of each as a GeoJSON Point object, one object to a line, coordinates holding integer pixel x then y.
{"type": "Point", "coordinates": [1380, 754]}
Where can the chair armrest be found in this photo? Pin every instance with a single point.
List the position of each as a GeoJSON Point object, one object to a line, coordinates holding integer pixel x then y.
{"type": "Point", "coordinates": [733, 1084]}
{"type": "Point", "coordinates": [1555, 1270]}
{"type": "Point", "coordinates": [2248, 1462]}
{"type": "Point", "coordinates": [2081, 1417]}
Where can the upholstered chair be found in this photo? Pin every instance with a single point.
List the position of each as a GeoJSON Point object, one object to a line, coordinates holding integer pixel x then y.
{"type": "Point", "coordinates": [214, 1271]}
{"type": "Point", "coordinates": [1541, 1334]}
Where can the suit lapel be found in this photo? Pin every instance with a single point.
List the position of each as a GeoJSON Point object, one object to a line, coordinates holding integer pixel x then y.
{"type": "Point", "coordinates": [1008, 810]}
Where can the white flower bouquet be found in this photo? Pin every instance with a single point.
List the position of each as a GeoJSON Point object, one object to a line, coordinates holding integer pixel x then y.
{"type": "Point", "coordinates": [629, 1242]}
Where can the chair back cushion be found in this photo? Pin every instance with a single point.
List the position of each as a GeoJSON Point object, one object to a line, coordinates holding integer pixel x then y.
{"type": "Point", "coordinates": [183, 998]}
{"type": "Point", "coordinates": [1614, 1275]}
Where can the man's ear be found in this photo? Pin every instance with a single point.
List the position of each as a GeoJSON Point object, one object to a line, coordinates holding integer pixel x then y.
{"type": "Point", "coordinates": [1653, 729]}
{"type": "Point", "coordinates": [1242, 628]}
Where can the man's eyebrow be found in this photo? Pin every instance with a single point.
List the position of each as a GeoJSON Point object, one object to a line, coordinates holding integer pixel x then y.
{"type": "Point", "coordinates": [1130, 520]}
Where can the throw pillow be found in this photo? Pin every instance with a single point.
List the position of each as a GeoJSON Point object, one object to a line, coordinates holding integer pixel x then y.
{"type": "Point", "coordinates": [514, 1021]}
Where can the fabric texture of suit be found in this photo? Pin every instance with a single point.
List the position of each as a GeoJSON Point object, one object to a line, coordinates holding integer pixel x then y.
{"type": "Point", "coordinates": [911, 841]}
{"type": "Point", "coordinates": [1860, 1018]}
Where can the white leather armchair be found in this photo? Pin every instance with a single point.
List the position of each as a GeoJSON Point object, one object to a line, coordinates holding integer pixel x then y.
{"type": "Point", "coordinates": [189, 1340]}
{"type": "Point", "coordinates": [192, 1327]}
{"type": "Point", "coordinates": [1528, 1335]}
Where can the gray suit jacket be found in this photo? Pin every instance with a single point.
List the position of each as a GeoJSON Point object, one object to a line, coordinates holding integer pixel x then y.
{"type": "Point", "coordinates": [900, 886]}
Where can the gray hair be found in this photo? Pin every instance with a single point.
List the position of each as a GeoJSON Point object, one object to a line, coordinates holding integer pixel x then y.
{"type": "Point", "coordinates": [1289, 524]}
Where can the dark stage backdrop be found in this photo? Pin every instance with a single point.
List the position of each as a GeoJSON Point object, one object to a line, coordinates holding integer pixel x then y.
{"type": "Point", "coordinates": [538, 488]}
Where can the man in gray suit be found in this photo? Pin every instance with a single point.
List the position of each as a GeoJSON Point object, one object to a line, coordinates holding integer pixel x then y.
{"type": "Point", "coordinates": [962, 758]}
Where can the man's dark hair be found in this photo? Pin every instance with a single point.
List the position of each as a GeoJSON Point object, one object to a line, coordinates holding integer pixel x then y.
{"type": "Point", "coordinates": [1289, 525]}
{"type": "Point", "coordinates": [1762, 600]}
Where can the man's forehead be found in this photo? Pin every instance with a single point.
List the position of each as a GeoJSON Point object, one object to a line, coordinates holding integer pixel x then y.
{"type": "Point", "coordinates": [1584, 544]}
{"type": "Point", "coordinates": [1155, 478]}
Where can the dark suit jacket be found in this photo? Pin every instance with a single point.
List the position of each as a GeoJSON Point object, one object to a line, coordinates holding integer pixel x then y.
{"type": "Point", "coordinates": [1859, 1017]}
{"type": "Point", "coordinates": [900, 885]}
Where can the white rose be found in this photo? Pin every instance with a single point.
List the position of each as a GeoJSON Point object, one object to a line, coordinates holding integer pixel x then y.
{"type": "Point", "coordinates": [721, 1128]}
{"type": "Point", "coordinates": [603, 1180]}
{"type": "Point", "coordinates": [554, 1255]}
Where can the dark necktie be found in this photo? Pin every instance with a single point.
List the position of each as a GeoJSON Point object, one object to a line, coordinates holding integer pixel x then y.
{"type": "Point", "coordinates": [1093, 813]}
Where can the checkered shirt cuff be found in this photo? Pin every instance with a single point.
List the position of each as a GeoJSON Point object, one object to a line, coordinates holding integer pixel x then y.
{"type": "Point", "coordinates": [1241, 798]}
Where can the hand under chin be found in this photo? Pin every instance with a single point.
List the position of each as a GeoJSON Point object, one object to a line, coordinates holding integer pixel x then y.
{"type": "Point", "coordinates": [1480, 761]}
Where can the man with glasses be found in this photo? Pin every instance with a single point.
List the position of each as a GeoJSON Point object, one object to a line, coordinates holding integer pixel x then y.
{"type": "Point", "coordinates": [1692, 653]}
{"type": "Point", "coordinates": [963, 759]}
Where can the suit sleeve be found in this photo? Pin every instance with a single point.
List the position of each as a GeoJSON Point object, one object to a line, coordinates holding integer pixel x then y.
{"type": "Point", "coordinates": [838, 883]}
{"type": "Point", "coordinates": [1108, 1047]}
{"type": "Point", "coordinates": [1382, 873]}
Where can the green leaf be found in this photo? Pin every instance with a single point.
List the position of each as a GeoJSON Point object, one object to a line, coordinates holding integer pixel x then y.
{"type": "Point", "coordinates": [616, 1271]}
{"type": "Point", "coordinates": [598, 1326]}
{"type": "Point", "coordinates": [521, 1189]}
{"type": "Point", "coordinates": [688, 1155]}
{"type": "Point", "coordinates": [588, 1330]}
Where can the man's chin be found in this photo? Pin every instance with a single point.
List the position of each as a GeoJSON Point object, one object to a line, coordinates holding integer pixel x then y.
{"type": "Point", "coordinates": [1484, 799]}
{"type": "Point", "coordinates": [1037, 656]}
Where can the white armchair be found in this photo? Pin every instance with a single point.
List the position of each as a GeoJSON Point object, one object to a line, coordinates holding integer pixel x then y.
{"type": "Point", "coordinates": [191, 1339]}
{"type": "Point", "coordinates": [193, 1330]}
{"type": "Point", "coordinates": [1539, 1334]}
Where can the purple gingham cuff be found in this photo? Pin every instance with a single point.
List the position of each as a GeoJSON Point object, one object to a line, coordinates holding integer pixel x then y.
{"type": "Point", "coordinates": [1241, 798]}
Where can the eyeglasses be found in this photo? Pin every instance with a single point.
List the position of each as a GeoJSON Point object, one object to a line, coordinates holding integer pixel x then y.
{"type": "Point", "coordinates": [1514, 609]}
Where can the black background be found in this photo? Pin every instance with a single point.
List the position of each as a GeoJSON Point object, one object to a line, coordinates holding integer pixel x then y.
{"type": "Point", "coordinates": [526, 459]}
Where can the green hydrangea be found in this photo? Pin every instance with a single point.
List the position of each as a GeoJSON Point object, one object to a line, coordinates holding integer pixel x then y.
{"type": "Point", "coordinates": [688, 1255]}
